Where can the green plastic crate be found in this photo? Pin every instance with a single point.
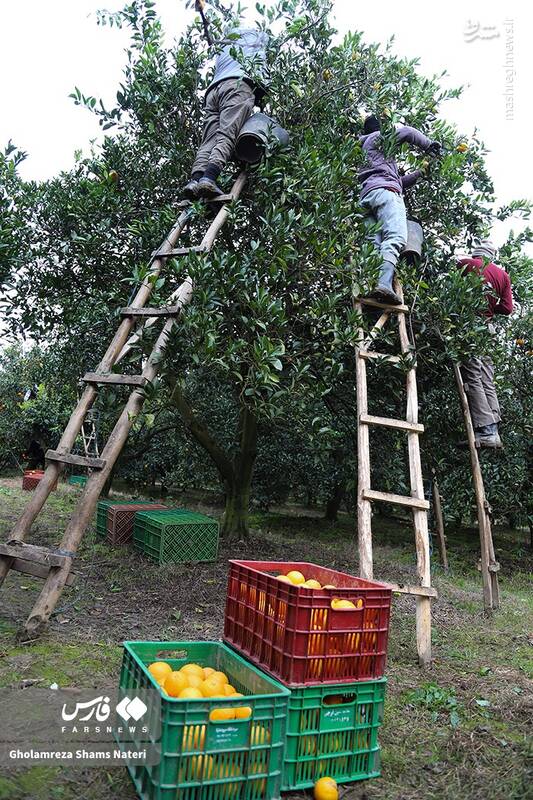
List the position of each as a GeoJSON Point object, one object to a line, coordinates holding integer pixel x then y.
{"type": "Point", "coordinates": [77, 480]}
{"type": "Point", "coordinates": [101, 513]}
{"type": "Point", "coordinates": [240, 759]}
{"type": "Point", "coordinates": [333, 730]}
{"type": "Point", "coordinates": [176, 536]}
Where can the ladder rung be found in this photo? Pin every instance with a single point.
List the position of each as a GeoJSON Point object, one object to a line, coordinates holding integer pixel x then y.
{"type": "Point", "coordinates": [114, 379]}
{"type": "Point", "coordinates": [33, 553]}
{"type": "Point", "coordinates": [37, 570]}
{"type": "Point", "coordinates": [162, 311]}
{"type": "Point", "coordinates": [368, 301]}
{"type": "Point", "coordinates": [387, 422]}
{"type": "Point", "coordinates": [421, 591]}
{"type": "Point", "coordinates": [180, 251]}
{"type": "Point", "coordinates": [77, 461]}
{"type": "Point", "coordinates": [222, 198]}
{"type": "Point", "coordinates": [372, 354]}
{"type": "Point", "coordinates": [396, 499]}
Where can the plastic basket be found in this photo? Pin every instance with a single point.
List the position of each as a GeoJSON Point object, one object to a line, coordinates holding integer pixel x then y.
{"type": "Point", "coordinates": [176, 536]}
{"type": "Point", "coordinates": [243, 759]}
{"type": "Point", "coordinates": [120, 520]}
{"type": "Point", "coordinates": [32, 478]}
{"type": "Point", "coordinates": [77, 480]}
{"type": "Point", "coordinates": [333, 730]}
{"type": "Point", "coordinates": [294, 634]}
{"type": "Point", "coordinates": [102, 511]}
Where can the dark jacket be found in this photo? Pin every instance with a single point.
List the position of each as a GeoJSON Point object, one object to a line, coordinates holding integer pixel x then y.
{"type": "Point", "coordinates": [380, 172]}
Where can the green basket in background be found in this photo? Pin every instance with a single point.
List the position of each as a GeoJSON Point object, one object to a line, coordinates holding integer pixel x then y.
{"type": "Point", "coordinates": [77, 480]}
{"type": "Point", "coordinates": [239, 759]}
{"type": "Point", "coordinates": [332, 730]}
{"type": "Point", "coordinates": [176, 536]}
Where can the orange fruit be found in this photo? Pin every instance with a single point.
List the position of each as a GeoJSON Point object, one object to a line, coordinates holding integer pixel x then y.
{"type": "Point", "coordinates": [175, 683]}
{"type": "Point", "coordinates": [259, 785]}
{"type": "Point", "coordinates": [190, 693]}
{"type": "Point", "coordinates": [197, 768]}
{"type": "Point", "coordinates": [228, 689]}
{"type": "Point", "coordinates": [462, 147]}
{"type": "Point", "coordinates": [194, 680]}
{"type": "Point", "coordinates": [329, 586]}
{"type": "Point", "coordinates": [221, 676]}
{"type": "Point", "coordinates": [284, 578]}
{"type": "Point", "coordinates": [237, 694]}
{"type": "Point", "coordinates": [208, 671]}
{"type": "Point", "coordinates": [341, 605]}
{"type": "Point", "coordinates": [221, 714]}
{"type": "Point", "coordinates": [193, 737]}
{"type": "Point", "coordinates": [243, 712]}
{"type": "Point", "coordinates": [160, 670]}
{"type": "Point", "coordinates": [311, 584]}
{"type": "Point", "coordinates": [296, 577]}
{"type": "Point", "coordinates": [326, 789]}
{"type": "Point", "coordinates": [259, 735]}
{"type": "Point", "coordinates": [193, 669]}
{"type": "Point", "coordinates": [213, 687]}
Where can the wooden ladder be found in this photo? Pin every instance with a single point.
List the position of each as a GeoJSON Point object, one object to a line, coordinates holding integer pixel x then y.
{"type": "Point", "coordinates": [54, 565]}
{"type": "Point", "coordinates": [488, 565]}
{"type": "Point", "coordinates": [366, 495]}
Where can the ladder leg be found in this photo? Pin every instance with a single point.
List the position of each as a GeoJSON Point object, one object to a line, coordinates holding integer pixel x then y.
{"type": "Point", "coordinates": [490, 580]}
{"type": "Point", "coordinates": [439, 524]}
{"type": "Point", "coordinates": [364, 507]}
{"type": "Point", "coordinates": [57, 577]}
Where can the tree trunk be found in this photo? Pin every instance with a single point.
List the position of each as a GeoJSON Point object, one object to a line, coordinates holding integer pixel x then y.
{"type": "Point", "coordinates": [235, 521]}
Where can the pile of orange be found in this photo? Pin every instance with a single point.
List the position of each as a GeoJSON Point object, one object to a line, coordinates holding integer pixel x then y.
{"type": "Point", "coordinates": [193, 682]}
{"type": "Point", "coordinates": [296, 578]}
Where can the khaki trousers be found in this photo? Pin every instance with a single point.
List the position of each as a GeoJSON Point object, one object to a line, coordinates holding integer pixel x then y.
{"type": "Point", "coordinates": [478, 379]}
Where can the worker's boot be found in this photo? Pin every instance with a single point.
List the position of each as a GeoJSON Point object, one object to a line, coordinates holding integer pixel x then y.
{"type": "Point", "coordinates": [384, 291]}
{"type": "Point", "coordinates": [190, 190]}
{"type": "Point", "coordinates": [208, 188]}
{"type": "Point", "coordinates": [488, 436]}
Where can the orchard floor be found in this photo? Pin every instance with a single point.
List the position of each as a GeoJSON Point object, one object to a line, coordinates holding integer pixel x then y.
{"type": "Point", "coordinates": [465, 739]}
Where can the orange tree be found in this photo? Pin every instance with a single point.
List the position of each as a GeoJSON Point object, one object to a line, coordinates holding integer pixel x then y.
{"type": "Point", "coordinates": [271, 324]}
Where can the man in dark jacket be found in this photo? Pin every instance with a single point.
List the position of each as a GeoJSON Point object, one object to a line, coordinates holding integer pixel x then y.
{"type": "Point", "coordinates": [478, 373]}
{"type": "Point", "coordinates": [229, 101]}
{"type": "Point", "coordinates": [382, 197]}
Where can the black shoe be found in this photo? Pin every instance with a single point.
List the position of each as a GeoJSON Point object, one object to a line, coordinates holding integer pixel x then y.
{"type": "Point", "coordinates": [385, 295]}
{"type": "Point", "coordinates": [190, 191]}
{"type": "Point", "coordinates": [208, 189]}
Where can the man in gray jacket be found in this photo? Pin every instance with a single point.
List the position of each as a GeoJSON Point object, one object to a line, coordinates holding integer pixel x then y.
{"type": "Point", "coordinates": [237, 85]}
{"type": "Point", "coordinates": [382, 198]}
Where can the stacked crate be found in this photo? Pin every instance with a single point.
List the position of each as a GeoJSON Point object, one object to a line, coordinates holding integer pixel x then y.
{"type": "Point", "coordinates": [32, 478]}
{"type": "Point", "coordinates": [102, 511]}
{"type": "Point", "coordinates": [77, 480]}
{"type": "Point", "coordinates": [331, 659]}
{"type": "Point", "coordinates": [121, 517]}
{"type": "Point", "coordinates": [176, 536]}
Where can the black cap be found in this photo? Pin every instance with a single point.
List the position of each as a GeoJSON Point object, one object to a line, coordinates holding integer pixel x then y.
{"type": "Point", "coordinates": [371, 124]}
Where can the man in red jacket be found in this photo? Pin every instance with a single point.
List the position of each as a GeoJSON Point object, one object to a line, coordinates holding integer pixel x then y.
{"type": "Point", "coordinates": [478, 373]}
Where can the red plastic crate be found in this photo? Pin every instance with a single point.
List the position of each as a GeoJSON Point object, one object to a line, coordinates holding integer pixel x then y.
{"type": "Point", "coordinates": [294, 634]}
{"type": "Point", "coordinates": [120, 519]}
{"type": "Point", "coordinates": [31, 479]}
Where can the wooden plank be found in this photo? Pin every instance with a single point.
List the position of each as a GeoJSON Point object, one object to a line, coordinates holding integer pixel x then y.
{"type": "Point", "coordinates": [397, 499]}
{"type": "Point", "coordinates": [180, 251]}
{"type": "Point", "coordinates": [371, 354]}
{"type": "Point", "coordinates": [37, 570]}
{"type": "Point", "coordinates": [369, 301]}
{"type": "Point", "coordinates": [485, 531]}
{"type": "Point", "coordinates": [388, 422]}
{"type": "Point", "coordinates": [77, 461]}
{"type": "Point", "coordinates": [31, 552]}
{"type": "Point", "coordinates": [439, 525]}
{"type": "Point", "coordinates": [147, 311]}
{"type": "Point", "coordinates": [114, 379]}
{"type": "Point", "coordinates": [418, 591]}
{"type": "Point", "coordinates": [222, 198]}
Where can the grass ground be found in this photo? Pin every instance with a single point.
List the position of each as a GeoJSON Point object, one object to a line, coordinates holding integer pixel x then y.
{"type": "Point", "coordinates": [461, 731]}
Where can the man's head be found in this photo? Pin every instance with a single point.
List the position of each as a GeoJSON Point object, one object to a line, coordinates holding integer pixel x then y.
{"type": "Point", "coordinates": [371, 124]}
{"type": "Point", "coordinates": [484, 249]}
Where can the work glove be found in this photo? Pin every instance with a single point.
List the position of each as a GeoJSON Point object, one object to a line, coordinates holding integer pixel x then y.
{"type": "Point", "coordinates": [434, 148]}
{"type": "Point", "coordinates": [199, 5]}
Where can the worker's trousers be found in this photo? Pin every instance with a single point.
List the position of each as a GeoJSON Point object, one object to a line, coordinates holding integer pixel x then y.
{"type": "Point", "coordinates": [387, 208]}
{"type": "Point", "coordinates": [227, 107]}
{"type": "Point", "coordinates": [478, 379]}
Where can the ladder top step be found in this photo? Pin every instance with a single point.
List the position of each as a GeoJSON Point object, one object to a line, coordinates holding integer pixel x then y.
{"type": "Point", "coordinates": [420, 591]}
{"type": "Point", "coordinates": [369, 301]}
{"type": "Point", "coordinates": [180, 251]}
{"type": "Point", "coordinates": [77, 461]}
{"type": "Point", "coordinates": [32, 552]}
{"type": "Point", "coordinates": [387, 422]}
{"type": "Point", "coordinates": [114, 379]}
{"type": "Point", "coordinates": [396, 499]}
{"type": "Point", "coordinates": [161, 311]}
{"type": "Point", "coordinates": [372, 354]}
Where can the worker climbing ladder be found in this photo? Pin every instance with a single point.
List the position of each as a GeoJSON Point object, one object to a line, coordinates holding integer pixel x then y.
{"type": "Point", "coordinates": [488, 565]}
{"type": "Point", "coordinates": [366, 495]}
{"type": "Point", "coordinates": [54, 565]}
